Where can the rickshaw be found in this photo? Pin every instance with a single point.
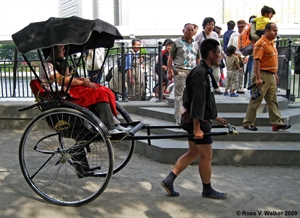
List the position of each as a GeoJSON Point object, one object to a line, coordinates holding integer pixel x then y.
{"type": "Point", "coordinates": [66, 153]}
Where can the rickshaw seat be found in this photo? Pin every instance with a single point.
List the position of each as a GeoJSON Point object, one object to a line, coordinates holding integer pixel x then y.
{"type": "Point", "coordinates": [39, 92]}
{"type": "Point", "coordinates": [37, 89]}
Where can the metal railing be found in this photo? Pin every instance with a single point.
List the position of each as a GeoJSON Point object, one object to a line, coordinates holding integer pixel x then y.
{"type": "Point", "coordinates": [16, 85]}
{"type": "Point", "coordinates": [289, 79]}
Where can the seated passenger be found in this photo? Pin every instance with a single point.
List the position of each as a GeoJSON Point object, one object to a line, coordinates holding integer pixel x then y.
{"type": "Point", "coordinates": [82, 91]}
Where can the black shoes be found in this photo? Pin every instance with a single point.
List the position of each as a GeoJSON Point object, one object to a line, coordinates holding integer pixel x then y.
{"type": "Point", "coordinates": [214, 195]}
{"type": "Point", "coordinates": [217, 92]}
{"type": "Point", "coordinates": [251, 128]}
{"type": "Point", "coordinates": [168, 186]}
{"type": "Point", "coordinates": [283, 127]}
{"type": "Point", "coordinates": [274, 127]}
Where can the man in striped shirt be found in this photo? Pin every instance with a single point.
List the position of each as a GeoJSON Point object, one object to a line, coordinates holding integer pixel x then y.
{"type": "Point", "coordinates": [265, 68]}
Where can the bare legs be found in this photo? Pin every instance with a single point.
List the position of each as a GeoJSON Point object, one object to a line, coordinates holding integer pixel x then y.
{"type": "Point", "coordinates": [204, 152]}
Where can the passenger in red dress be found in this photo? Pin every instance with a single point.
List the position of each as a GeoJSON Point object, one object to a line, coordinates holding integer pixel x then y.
{"type": "Point", "coordinates": [82, 91]}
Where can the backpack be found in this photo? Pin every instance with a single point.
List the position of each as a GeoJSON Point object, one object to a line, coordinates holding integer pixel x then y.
{"type": "Point", "coordinates": [119, 61]}
{"type": "Point", "coordinates": [109, 75]}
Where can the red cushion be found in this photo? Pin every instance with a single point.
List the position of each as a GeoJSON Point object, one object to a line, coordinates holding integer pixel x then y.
{"type": "Point", "coordinates": [37, 89]}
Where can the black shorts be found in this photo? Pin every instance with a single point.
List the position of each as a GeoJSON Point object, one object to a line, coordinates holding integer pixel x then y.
{"type": "Point", "coordinates": [205, 127]}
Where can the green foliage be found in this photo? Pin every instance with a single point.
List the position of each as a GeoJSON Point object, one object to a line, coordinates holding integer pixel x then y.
{"type": "Point", "coordinates": [114, 50]}
{"type": "Point", "coordinates": [143, 51]}
{"type": "Point", "coordinates": [7, 52]}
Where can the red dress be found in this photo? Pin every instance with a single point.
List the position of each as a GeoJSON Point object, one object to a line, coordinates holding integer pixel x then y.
{"type": "Point", "coordinates": [87, 96]}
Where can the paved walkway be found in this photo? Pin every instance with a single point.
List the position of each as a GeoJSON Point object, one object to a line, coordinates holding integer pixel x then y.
{"type": "Point", "coordinates": [136, 192]}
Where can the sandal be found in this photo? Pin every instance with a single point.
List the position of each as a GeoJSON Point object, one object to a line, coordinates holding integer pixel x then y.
{"type": "Point", "coordinates": [251, 128]}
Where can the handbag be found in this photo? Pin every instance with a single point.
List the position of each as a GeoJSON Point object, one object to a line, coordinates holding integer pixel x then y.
{"type": "Point", "coordinates": [187, 123]}
{"type": "Point", "coordinates": [247, 50]}
{"type": "Point", "coordinates": [109, 75]}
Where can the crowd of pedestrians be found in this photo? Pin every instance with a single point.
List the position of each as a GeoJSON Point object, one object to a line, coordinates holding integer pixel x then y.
{"type": "Point", "coordinates": [196, 84]}
{"type": "Point", "coordinates": [195, 62]}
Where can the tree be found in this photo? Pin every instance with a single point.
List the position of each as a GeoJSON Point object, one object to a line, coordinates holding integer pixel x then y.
{"type": "Point", "coordinates": [7, 51]}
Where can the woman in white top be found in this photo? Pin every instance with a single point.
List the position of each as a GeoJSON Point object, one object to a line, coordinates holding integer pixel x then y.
{"type": "Point", "coordinates": [208, 27]}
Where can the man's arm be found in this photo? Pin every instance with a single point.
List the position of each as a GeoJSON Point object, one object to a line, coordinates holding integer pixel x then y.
{"type": "Point", "coordinates": [170, 70]}
{"type": "Point", "coordinates": [198, 133]}
{"type": "Point", "coordinates": [128, 66]}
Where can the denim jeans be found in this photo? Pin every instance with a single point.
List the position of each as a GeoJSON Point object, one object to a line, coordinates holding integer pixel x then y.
{"type": "Point", "coordinates": [248, 72]}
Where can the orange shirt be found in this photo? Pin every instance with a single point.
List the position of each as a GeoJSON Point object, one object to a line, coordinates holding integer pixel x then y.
{"type": "Point", "coordinates": [265, 50]}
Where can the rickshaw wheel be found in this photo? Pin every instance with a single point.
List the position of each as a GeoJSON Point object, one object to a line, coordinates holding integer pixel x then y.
{"type": "Point", "coordinates": [123, 150]}
{"type": "Point", "coordinates": [65, 157]}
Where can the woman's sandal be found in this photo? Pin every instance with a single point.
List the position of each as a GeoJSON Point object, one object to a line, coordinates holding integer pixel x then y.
{"type": "Point", "coordinates": [251, 128]}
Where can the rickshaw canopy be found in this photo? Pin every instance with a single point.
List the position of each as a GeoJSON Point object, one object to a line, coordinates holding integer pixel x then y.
{"type": "Point", "coordinates": [77, 32]}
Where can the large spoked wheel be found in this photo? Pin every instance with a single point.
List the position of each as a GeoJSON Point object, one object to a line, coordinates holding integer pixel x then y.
{"type": "Point", "coordinates": [65, 157]}
{"type": "Point", "coordinates": [123, 150]}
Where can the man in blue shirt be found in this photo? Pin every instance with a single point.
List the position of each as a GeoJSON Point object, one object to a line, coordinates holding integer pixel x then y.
{"type": "Point", "coordinates": [133, 68]}
{"type": "Point", "coordinates": [227, 34]}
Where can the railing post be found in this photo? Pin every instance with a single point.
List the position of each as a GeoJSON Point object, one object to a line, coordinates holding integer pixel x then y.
{"type": "Point", "coordinates": [289, 71]}
{"type": "Point", "coordinates": [277, 41]}
{"type": "Point", "coordinates": [160, 82]}
{"type": "Point", "coordinates": [124, 97]}
{"type": "Point", "coordinates": [15, 71]}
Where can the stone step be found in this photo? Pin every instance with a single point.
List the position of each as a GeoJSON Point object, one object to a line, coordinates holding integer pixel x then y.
{"type": "Point", "coordinates": [263, 147]}
{"type": "Point", "coordinates": [10, 118]}
{"type": "Point", "coordinates": [291, 115]}
{"type": "Point", "coordinates": [226, 152]}
{"type": "Point", "coordinates": [240, 104]}
{"type": "Point", "coordinates": [264, 133]}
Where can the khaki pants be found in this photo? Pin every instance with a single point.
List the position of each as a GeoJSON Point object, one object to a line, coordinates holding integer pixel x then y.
{"type": "Point", "coordinates": [179, 85]}
{"type": "Point", "coordinates": [268, 92]}
{"type": "Point", "coordinates": [115, 83]}
{"type": "Point", "coordinates": [134, 91]}
{"type": "Point", "coordinates": [231, 80]}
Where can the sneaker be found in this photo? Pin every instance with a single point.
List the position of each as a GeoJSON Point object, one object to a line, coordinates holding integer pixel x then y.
{"type": "Point", "coordinates": [115, 131]}
{"type": "Point", "coordinates": [283, 127]}
{"type": "Point", "coordinates": [226, 94]}
{"type": "Point", "coordinates": [233, 95]}
{"type": "Point", "coordinates": [122, 128]}
{"type": "Point", "coordinates": [241, 92]}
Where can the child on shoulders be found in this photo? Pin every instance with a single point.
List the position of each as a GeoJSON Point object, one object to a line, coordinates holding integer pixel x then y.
{"type": "Point", "coordinates": [262, 21]}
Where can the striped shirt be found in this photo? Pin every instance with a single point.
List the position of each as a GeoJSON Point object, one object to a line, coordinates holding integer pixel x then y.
{"type": "Point", "coordinates": [265, 51]}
